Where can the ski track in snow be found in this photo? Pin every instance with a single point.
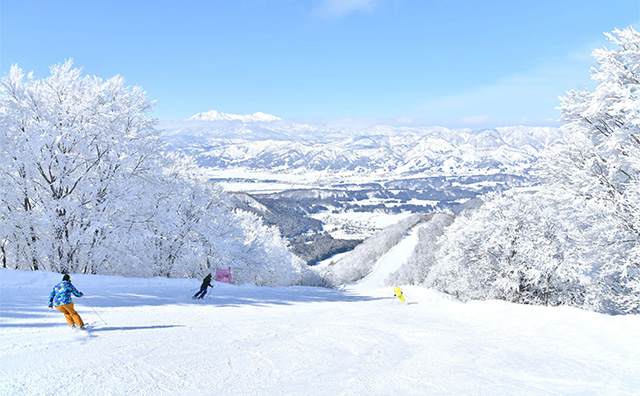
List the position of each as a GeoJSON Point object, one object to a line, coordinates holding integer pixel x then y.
{"type": "Point", "coordinates": [246, 340]}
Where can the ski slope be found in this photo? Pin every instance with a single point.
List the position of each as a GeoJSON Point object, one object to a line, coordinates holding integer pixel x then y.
{"type": "Point", "coordinates": [247, 340]}
{"type": "Point", "coordinates": [389, 262]}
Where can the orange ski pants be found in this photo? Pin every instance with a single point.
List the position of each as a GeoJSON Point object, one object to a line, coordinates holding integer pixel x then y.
{"type": "Point", "coordinates": [70, 314]}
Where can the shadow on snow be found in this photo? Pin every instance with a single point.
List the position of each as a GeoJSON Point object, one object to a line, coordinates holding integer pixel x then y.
{"type": "Point", "coordinates": [34, 305]}
{"type": "Point", "coordinates": [227, 297]}
{"type": "Point", "coordinates": [119, 328]}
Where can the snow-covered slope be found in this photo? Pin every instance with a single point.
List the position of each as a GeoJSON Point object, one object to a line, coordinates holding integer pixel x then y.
{"type": "Point", "coordinates": [363, 260]}
{"type": "Point", "coordinates": [248, 340]}
{"type": "Point", "coordinates": [390, 262]}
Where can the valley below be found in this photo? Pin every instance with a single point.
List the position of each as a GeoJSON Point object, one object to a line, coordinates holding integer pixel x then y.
{"type": "Point", "coordinates": [329, 188]}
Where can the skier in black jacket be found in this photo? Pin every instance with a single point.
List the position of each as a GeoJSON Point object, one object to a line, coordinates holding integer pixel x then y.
{"type": "Point", "coordinates": [206, 283]}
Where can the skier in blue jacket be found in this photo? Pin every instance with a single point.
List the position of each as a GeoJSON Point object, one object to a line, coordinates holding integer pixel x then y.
{"type": "Point", "coordinates": [60, 298]}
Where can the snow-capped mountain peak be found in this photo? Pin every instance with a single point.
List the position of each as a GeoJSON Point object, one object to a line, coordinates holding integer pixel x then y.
{"type": "Point", "coordinates": [215, 115]}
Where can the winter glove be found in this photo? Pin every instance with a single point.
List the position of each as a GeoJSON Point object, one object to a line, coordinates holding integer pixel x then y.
{"type": "Point", "coordinates": [81, 294]}
{"type": "Point", "coordinates": [50, 305]}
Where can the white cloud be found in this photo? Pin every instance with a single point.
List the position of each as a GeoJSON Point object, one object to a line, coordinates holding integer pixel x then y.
{"type": "Point", "coordinates": [341, 8]}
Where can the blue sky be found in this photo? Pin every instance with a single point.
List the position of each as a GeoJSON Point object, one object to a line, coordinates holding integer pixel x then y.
{"type": "Point", "coordinates": [453, 63]}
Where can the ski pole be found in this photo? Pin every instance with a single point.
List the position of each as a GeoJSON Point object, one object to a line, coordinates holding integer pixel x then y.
{"type": "Point", "coordinates": [209, 293]}
{"type": "Point", "coordinates": [87, 301]}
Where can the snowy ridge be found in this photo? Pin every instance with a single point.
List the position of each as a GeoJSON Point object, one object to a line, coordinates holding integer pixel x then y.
{"type": "Point", "coordinates": [290, 147]}
{"type": "Point", "coordinates": [215, 115]}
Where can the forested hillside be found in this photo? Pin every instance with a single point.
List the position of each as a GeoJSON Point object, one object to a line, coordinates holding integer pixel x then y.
{"type": "Point", "coordinates": [575, 238]}
{"type": "Point", "coordinates": [87, 187]}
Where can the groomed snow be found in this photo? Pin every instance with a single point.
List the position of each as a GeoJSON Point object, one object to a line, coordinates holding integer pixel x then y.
{"type": "Point", "coordinates": [247, 340]}
{"type": "Point", "coordinates": [389, 263]}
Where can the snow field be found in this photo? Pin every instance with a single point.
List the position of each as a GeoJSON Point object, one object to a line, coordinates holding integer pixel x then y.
{"type": "Point", "coordinates": [247, 340]}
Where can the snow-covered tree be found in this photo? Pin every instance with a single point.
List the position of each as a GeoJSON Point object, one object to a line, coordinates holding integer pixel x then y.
{"type": "Point", "coordinates": [511, 248]}
{"type": "Point", "coordinates": [600, 164]}
{"type": "Point", "coordinates": [575, 239]}
{"type": "Point", "coordinates": [264, 244]}
{"type": "Point", "coordinates": [72, 146]}
{"type": "Point", "coordinates": [86, 186]}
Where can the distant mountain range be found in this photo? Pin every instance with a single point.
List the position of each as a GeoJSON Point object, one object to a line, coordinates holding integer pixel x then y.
{"type": "Point", "coordinates": [215, 115]}
{"type": "Point", "coordinates": [381, 150]}
{"type": "Point", "coordinates": [326, 187]}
